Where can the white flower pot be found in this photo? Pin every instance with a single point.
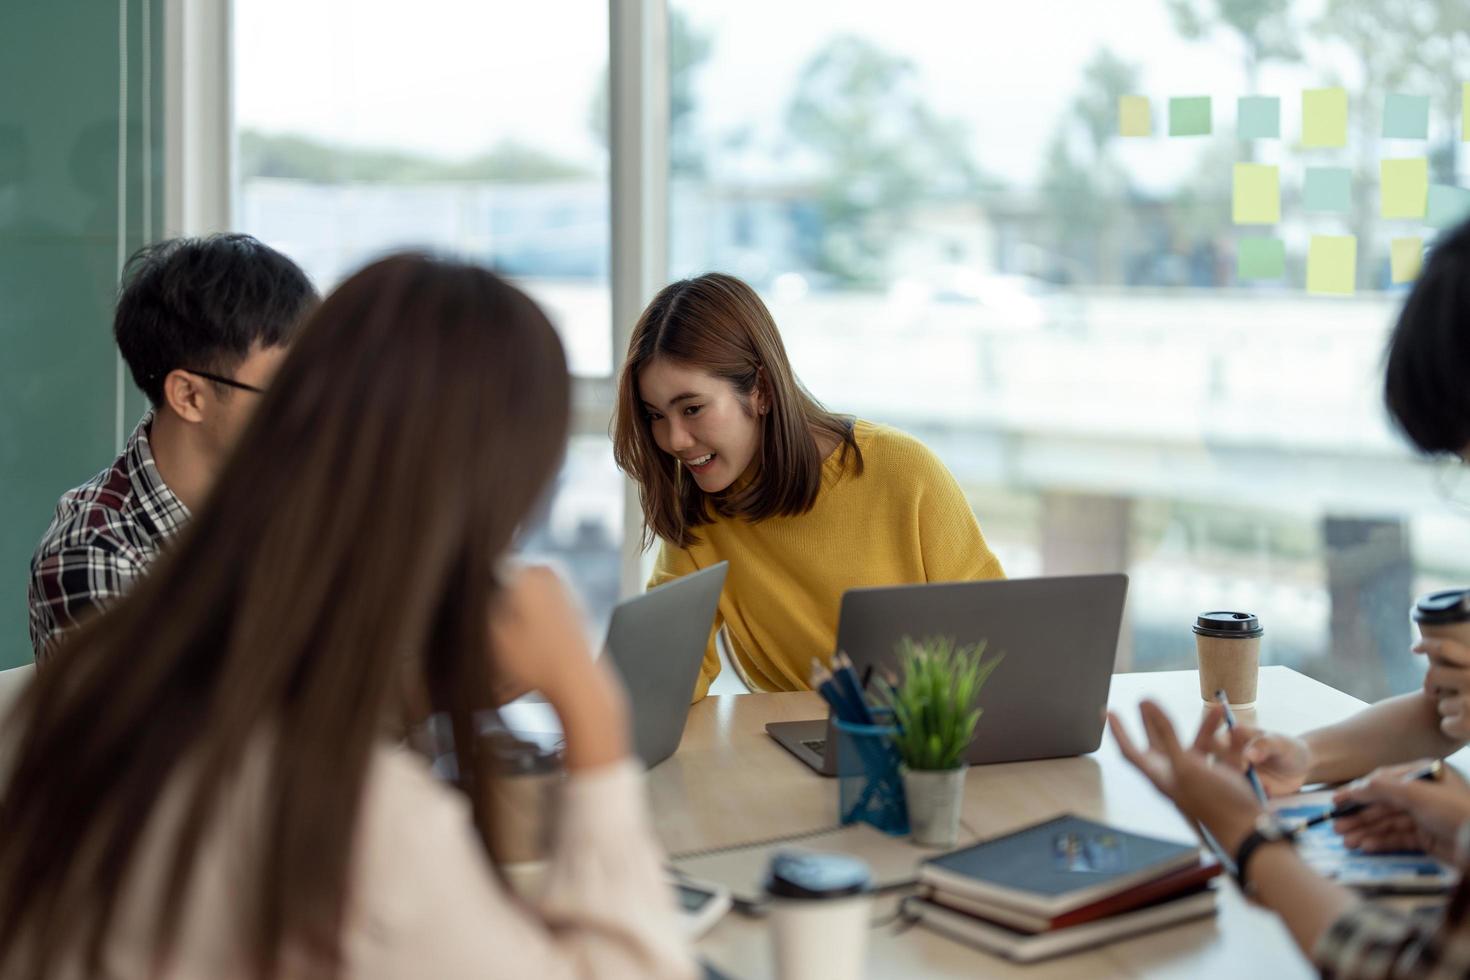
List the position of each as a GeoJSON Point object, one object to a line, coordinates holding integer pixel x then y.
{"type": "Point", "coordinates": [934, 798]}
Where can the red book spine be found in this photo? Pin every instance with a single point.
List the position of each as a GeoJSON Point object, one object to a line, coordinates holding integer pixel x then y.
{"type": "Point", "coordinates": [1183, 880]}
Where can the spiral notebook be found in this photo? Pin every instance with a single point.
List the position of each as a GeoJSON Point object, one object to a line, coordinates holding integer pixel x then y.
{"type": "Point", "coordinates": [894, 861]}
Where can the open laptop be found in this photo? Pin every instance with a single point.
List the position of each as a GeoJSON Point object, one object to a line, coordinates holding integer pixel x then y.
{"type": "Point", "coordinates": [1045, 700]}
{"type": "Point", "coordinates": [656, 641]}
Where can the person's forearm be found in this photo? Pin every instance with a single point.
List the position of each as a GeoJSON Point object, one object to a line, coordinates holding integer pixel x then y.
{"type": "Point", "coordinates": [594, 718]}
{"type": "Point", "coordinates": [1394, 730]}
{"type": "Point", "coordinates": [1307, 902]}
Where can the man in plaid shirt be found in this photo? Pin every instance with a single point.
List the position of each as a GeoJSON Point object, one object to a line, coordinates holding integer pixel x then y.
{"type": "Point", "coordinates": [202, 325]}
{"type": "Point", "coordinates": [1403, 803]}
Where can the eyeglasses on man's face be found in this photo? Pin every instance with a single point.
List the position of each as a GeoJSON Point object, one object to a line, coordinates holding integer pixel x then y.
{"type": "Point", "coordinates": [220, 379]}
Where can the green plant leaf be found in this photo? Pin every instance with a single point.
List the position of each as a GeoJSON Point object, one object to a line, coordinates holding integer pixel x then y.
{"type": "Point", "coordinates": [934, 704]}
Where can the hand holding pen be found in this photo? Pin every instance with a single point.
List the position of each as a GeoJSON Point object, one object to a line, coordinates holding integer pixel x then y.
{"type": "Point", "coordinates": [1431, 772]}
{"type": "Point", "coordinates": [1406, 808]}
{"type": "Point", "coordinates": [1250, 770]}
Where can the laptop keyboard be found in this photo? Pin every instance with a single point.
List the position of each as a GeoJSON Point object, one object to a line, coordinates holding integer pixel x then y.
{"type": "Point", "coordinates": [817, 745]}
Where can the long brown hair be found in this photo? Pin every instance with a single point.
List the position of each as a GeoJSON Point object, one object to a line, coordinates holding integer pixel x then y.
{"type": "Point", "coordinates": [717, 323]}
{"type": "Point", "coordinates": [415, 423]}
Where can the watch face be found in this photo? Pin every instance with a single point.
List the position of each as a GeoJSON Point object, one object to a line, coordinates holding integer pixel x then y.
{"type": "Point", "coordinates": [1270, 827]}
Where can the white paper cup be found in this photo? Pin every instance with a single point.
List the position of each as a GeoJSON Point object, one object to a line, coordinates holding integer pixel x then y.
{"type": "Point", "coordinates": [820, 938]}
{"type": "Point", "coordinates": [819, 909]}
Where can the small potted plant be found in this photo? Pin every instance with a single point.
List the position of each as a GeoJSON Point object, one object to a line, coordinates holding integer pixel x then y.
{"type": "Point", "coordinates": [934, 708]}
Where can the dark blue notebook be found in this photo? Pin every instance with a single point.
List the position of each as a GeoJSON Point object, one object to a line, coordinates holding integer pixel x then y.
{"type": "Point", "coordinates": [1052, 867]}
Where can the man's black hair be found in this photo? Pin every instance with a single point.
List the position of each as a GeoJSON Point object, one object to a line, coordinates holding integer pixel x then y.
{"type": "Point", "coordinates": [202, 303]}
{"type": "Point", "coordinates": [1427, 381]}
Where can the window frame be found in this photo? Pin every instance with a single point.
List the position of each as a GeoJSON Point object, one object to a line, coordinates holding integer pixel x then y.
{"type": "Point", "coordinates": [200, 172]}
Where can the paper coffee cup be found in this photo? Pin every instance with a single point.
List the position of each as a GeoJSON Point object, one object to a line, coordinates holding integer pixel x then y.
{"type": "Point", "coordinates": [1229, 648]}
{"type": "Point", "coordinates": [1444, 615]}
{"type": "Point", "coordinates": [522, 795]}
{"type": "Point", "coordinates": [820, 907]}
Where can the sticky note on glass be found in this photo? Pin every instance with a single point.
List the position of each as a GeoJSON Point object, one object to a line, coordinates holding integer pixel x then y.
{"type": "Point", "coordinates": [1465, 111]}
{"type": "Point", "coordinates": [1258, 117]}
{"type": "Point", "coordinates": [1134, 116]}
{"type": "Point", "coordinates": [1260, 258]}
{"type": "Point", "coordinates": [1324, 117]}
{"type": "Point", "coordinates": [1189, 116]}
{"type": "Point", "coordinates": [1257, 196]}
{"type": "Point", "coordinates": [1404, 185]}
{"type": "Point", "coordinates": [1448, 205]}
{"type": "Point", "coordinates": [1332, 263]}
{"type": "Point", "coordinates": [1406, 256]}
{"type": "Point", "coordinates": [1405, 117]}
{"type": "Point", "coordinates": [1328, 189]}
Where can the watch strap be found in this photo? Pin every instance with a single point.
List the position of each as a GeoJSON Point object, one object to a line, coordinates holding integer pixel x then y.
{"type": "Point", "coordinates": [1248, 847]}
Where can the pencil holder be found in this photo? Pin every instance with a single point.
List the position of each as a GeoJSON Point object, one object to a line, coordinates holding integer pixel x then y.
{"type": "Point", "coordinates": [869, 787]}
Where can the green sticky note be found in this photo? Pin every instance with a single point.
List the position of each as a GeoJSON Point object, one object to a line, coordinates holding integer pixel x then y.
{"type": "Point", "coordinates": [1189, 116]}
{"type": "Point", "coordinates": [1448, 205]}
{"type": "Point", "coordinates": [1332, 262]}
{"type": "Point", "coordinates": [1406, 256]}
{"type": "Point", "coordinates": [1405, 117]}
{"type": "Point", "coordinates": [1258, 117]}
{"type": "Point", "coordinates": [1405, 187]}
{"type": "Point", "coordinates": [1257, 196]}
{"type": "Point", "coordinates": [1324, 117]}
{"type": "Point", "coordinates": [1134, 117]}
{"type": "Point", "coordinates": [1260, 258]}
{"type": "Point", "coordinates": [1328, 189]}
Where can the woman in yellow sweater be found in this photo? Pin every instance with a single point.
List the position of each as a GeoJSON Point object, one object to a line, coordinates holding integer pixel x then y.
{"type": "Point", "coordinates": [735, 460]}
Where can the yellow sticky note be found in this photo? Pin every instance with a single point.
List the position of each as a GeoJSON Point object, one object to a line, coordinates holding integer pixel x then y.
{"type": "Point", "coordinates": [1134, 118]}
{"type": "Point", "coordinates": [1406, 255]}
{"type": "Point", "coordinates": [1257, 197]}
{"type": "Point", "coordinates": [1324, 117]}
{"type": "Point", "coordinates": [1404, 186]}
{"type": "Point", "coordinates": [1332, 265]}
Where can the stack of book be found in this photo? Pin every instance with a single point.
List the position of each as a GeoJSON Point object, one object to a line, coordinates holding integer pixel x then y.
{"type": "Point", "coordinates": [1060, 886]}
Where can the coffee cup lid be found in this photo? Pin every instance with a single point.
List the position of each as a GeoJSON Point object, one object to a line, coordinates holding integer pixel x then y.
{"type": "Point", "coordinates": [802, 874]}
{"type": "Point", "coordinates": [1447, 606]}
{"type": "Point", "coordinates": [1229, 624]}
{"type": "Point", "coordinates": [512, 755]}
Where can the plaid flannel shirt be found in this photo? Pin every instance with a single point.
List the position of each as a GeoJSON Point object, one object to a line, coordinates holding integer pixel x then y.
{"type": "Point", "coordinates": [1373, 943]}
{"type": "Point", "coordinates": [105, 534]}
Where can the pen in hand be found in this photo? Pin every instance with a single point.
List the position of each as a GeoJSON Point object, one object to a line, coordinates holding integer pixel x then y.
{"type": "Point", "coordinates": [1250, 770]}
{"type": "Point", "coordinates": [1433, 771]}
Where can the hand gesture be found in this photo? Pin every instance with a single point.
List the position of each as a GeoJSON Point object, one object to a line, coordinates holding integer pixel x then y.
{"type": "Point", "coordinates": [1214, 795]}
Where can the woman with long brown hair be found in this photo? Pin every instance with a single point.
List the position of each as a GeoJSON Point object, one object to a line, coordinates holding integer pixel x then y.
{"type": "Point", "coordinates": [735, 460]}
{"type": "Point", "coordinates": [205, 789]}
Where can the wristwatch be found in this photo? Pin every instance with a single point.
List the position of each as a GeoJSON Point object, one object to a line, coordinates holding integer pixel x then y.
{"type": "Point", "coordinates": [1268, 829]}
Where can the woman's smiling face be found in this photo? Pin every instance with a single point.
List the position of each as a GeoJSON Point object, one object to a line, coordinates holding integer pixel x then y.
{"type": "Point", "coordinates": [701, 420]}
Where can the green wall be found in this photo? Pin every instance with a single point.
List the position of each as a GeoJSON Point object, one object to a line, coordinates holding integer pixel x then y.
{"type": "Point", "coordinates": [59, 107]}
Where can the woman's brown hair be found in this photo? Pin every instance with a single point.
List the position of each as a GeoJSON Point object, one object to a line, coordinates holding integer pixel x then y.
{"type": "Point", "coordinates": [415, 423]}
{"type": "Point", "coordinates": [717, 323]}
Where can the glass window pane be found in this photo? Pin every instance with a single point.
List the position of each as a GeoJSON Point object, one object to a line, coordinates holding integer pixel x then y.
{"type": "Point", "coordinates": [477, 129]}
{"type": "Point", "coordinates": [956, 238]}
{"type": "Point", "coordinates": [469, 128]}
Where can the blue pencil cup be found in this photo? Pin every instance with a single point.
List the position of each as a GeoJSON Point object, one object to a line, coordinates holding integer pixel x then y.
{"type": "Point", "coordinates": [869, 787]}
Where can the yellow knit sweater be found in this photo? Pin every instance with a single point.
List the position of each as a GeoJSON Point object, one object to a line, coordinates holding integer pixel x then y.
{"type": "Point", "coordinates": [904, 520]}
